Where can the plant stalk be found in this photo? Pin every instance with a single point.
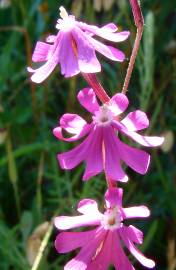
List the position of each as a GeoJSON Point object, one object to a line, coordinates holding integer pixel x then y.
{"type": "Point", "coordinates": [139, 22]}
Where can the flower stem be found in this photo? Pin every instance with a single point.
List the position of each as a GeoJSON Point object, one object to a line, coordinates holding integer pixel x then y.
{"type": "Point", "coordinates": [96, 86]}
{"type": "Point", "coordinates": [110, 183]}
{"type": "Point", "coordinates": [139, 22]}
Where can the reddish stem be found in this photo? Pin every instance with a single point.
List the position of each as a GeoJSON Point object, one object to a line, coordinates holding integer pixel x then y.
{"type": "Point", "coordinates": [110, 183]}
{"type": "Point", "coordinates": [96, 86]}
{"type": "Point", "coordinates": [139, 22]}
{"type": "Point", "coordinates": [137, 13]}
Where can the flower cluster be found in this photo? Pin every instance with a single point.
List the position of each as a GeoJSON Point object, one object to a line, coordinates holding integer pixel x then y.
{"type": "Point", "coordinates": [102, 149]}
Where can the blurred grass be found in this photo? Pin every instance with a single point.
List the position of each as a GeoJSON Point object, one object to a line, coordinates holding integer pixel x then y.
{"type": "Point", "coordinates": [32, 186]}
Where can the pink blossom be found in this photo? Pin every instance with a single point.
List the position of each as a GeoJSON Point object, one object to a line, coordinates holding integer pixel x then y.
{"type": "Point", "coordinates": [102, 246]}
{"type": "Point", "coordinates": [74, 48]}
{"type": "Point", "coordinates": [102, 148]}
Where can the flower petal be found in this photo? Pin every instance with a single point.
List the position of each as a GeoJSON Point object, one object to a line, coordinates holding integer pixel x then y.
{"type": "Point", "coordinates": [134, 234]}
{"type": "Point", "coordinates": [137, 159]}
{"type": "Point", "coordinates": [58, 134]}
{"type": "Point", "coordinates": [113, 197]}
{"type": "Point", "coordinates": [113, 167]}
{"type": "Point", "coordinates": [103, 257]}
{"type": "Point", "coordinates": [94, 156]}
{"type": "Point", "coordinates": [67, 57]}
{"type": "Point", "coordinates": [108, 51]}
{"type": "Point", "coordinates": [51, 38]}
{"type": "Point", "coordinates": [87, 60]}
{"type": "Point", "coordinates": [68, 241]}
{"type": "Point", "coordinates": [115, 37]}
{"type": "Point", "coordinates": [72, 158]}
{"type": "Point", "coordinates": [136, 211]}
{"type": "Point", "coordinates": [40, 74]}
{"type": "Point", "coordinates": [41, 52]}
{"type": "Point", "coordinates": [136, 120]}
{"type": "Point", "coordinates": [66, 223]}
{"type": "Point", "coordinates": [119, 258]}
{"type": "Point", "coordinates": [74, 124]}
{"type": "Point", "coordinates": [88, 100]}
{"type": "Point", "coordinates": [118, 104]}
{"type": "Point", "coordinates": [136, 253]}
{"type": "Point", "coordinates": [111, 27]}
{"type": "Point", "coordinates": [87, 206]}
{"type": "Point", "coordinates": [105, 32]}
{"type": "Point", "coordinates": [87, 253]}
{"type": "Point", "coordinates": [149, 141]}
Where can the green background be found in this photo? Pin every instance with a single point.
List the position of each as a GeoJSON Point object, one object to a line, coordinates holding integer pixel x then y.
{"type": "Point", "coordinates": [32, 186]}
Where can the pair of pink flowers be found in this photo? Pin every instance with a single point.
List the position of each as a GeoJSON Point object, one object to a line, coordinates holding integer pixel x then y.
{"type": "Point", "coordinates": [102, 150]}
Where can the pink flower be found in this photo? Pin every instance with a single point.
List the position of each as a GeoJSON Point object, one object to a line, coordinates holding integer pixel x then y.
{"type": "Point", "coordinates": [102, 246]}
{"type": "Point", "coordinates": [74, 48]}
{"type": "Point", "coordinates": [102, 148]}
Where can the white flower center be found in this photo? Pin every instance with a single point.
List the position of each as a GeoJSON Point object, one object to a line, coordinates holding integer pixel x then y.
{"type": "Point", "coordinates": [103, 117]}
{"type": "Point", "coordinates": [111, 219]}
{"type": "Point", "coordinates": [66, 23]}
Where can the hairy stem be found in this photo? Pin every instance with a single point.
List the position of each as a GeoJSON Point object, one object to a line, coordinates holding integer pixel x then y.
{"type": "Point", "coordinates": [96, 86]}
{"type": "Point", "coordinates": [139, 22]}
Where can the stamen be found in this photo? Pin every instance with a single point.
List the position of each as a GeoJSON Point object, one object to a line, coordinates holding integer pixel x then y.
{"type": "Point", "coordinates": [112, 221]}
{"type": "Point", "coordinates": [63, 13]}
